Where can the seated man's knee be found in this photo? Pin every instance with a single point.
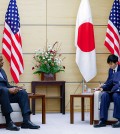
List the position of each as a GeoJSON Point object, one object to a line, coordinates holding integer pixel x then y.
{"type": "Point", "coordinates": [115, 95]}
{"type": "Point", "coordinates": [23, 92]}
{"type": "Point", "coordinates": [104, 95]}
{"type": "Point", "coordinates": [4, 90]}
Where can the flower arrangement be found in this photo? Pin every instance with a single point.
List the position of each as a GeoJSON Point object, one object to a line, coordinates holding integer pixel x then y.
{"type": "Point", "coordinates": [48, 60]}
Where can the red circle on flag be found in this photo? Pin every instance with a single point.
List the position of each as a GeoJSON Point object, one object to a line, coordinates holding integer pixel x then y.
{"type": "Point", "coordinates": [85, 39]}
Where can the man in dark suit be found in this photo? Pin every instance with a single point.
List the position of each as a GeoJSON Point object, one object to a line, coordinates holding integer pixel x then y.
{"type": "Point", "coordinates": [112, 61]}
{"type": "Point", "coordinates": [11, 94]}
{"type": "Point", "coordinates": [110, 92]}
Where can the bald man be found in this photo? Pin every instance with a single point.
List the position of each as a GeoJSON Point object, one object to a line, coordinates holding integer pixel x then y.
{"type": "Point", "coordinates": [12, 94]}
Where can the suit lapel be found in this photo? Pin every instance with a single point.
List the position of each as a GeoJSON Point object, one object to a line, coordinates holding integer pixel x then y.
{"type": "Point", "coordinates": [118, 69]}
{"type": "Point", "coordinates": [3, 74]}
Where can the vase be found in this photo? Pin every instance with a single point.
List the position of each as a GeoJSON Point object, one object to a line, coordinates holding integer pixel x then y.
{"type": "Point", "coordinates": [48, 77]}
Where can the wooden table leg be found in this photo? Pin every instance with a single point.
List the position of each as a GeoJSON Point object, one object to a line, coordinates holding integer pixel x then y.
{"type": "Point", "coordinates": [33, 106]}
{"type": "Point", "coordinates": [43, 111]}
{"type": "Point", "coordinates": [37, 96]}
{"type": "Point", "coordinates": [82, 108]}
{"type": "Point", "coordinates": [91, 110]}
{"type": "Point", "coordinates": [71, 109]}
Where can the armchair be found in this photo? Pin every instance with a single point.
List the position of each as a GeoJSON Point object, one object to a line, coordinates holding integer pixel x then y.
{"type": "Point", "coordinates": [16, 115]}
{"type": "Point", "coordinates": [97, 98]}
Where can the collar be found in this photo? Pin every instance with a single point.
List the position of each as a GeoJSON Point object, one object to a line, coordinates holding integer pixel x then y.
{"type": "Point", "coordinates": [116, 68]}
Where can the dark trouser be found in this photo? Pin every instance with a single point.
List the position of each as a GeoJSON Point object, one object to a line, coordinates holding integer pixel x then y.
{"type": "Point", "coordinates": [21, 98]}
{"type": "Point", "coordinates": [106, 98]}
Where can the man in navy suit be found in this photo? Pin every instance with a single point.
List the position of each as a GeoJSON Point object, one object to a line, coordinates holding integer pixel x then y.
{"type": "Point", "coordinates": [11, 94]}
{"type": "Point", "coordinates": [110, 93]}
{"type": "Point", "coordinates": [112, 61]}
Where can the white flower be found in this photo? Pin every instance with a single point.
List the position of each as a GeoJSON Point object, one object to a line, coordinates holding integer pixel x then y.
{"type": "Point", "coordinates": [49, 47]}
{"type": "Point", "coordinates": [48, 60]}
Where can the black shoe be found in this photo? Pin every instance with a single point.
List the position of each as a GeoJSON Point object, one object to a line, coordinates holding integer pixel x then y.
{"type": "Point", "coordinates": [116, 125]}
{"type": "Point", "coordinates": [30, 125]}
{"type": "Point", "coordinates": [11, 126]}
{"type": "Point", "coordinates": [100, 124]}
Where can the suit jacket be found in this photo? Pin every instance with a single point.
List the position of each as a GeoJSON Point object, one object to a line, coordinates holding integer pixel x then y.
{"type": "Point", "coordinates": [110, 74]}
{"type": "Point", "coordinates": [4, 82]}
{"type": "Point", "coordinates": [113, 84]}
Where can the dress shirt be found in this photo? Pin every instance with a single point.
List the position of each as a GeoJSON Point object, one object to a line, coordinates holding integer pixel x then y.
{"type": "Point", "coordinates": [1, 75]}
{"type": "Point", "coordinates": [115, 69]}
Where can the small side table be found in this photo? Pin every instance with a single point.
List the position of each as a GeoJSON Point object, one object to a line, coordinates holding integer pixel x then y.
{"type": "Point", "coordinates": [40, 96]}
{"type": "Point", "coordinates": [60, 84]}
{"type": "Point", "coordinates": [82, 96]}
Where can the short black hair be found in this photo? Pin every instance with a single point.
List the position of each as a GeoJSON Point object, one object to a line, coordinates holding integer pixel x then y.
{"type": "Point", "coordinates": [112, 58]}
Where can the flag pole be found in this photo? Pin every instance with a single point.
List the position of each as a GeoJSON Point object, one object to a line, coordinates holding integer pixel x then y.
{"type": "Point", "coordinates": [83, 83]}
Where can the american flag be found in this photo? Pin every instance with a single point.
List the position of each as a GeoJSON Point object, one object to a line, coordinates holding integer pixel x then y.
{"type": "Point", "coordinates": [112, 40]}
{"type": "Point", "coordinates": [12, 44]}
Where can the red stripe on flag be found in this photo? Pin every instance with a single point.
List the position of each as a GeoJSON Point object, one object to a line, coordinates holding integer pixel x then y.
{"type": "Point", "coordinates": [113, 31]}
{"type": "Point", "coordinates": [18, 37]}
{"type": "Point", "coordinates": [17, 49]}
{"type": "Point", "coordinates": [109, 47]}
{"type": "Point", "coordinates": [4, 41]}
{"type": "Point", "coordinates": [18, 52]}
{"type": "Point", "coordinates": [15, 63]}
{"type": "Point", "coordinates": [7, 32]}
{"type": "Point", "coordinates": [14, 75]}
{"type": "Point", "coordinates": [112, 42]}
{"type": "Point", "coordinates": [6, 54]}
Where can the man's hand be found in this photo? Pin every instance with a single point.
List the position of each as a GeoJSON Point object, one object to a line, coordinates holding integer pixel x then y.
{"type": "Point", "coordinates": [98, 89]}
{"type": "Point", "coordinates": [21, 87]}
{"type": "Point", "coordinates": [13, 90]}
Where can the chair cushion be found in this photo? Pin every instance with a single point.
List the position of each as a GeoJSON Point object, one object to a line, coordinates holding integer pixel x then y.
{"type": "Point", "coordinates": [15, 107]}
{"type": "Point", "coordinates": [111, 107]}
{"type": "Point", "coordinates": [16, 117]}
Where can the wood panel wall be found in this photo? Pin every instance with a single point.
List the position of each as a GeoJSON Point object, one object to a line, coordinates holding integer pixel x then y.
{"type": "Point", "coordinates": [47, 21]}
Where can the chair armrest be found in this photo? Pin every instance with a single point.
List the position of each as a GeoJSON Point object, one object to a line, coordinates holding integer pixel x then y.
{"type": "Point", "coordinates": [97, 98]}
